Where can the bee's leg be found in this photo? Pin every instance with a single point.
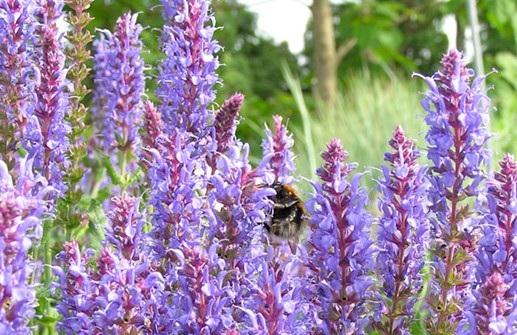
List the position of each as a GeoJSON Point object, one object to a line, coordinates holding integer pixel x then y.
{"type": "Point", "coordinates": [293, 245]}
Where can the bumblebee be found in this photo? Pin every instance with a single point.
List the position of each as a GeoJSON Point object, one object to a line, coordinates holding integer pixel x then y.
{"type": "Point", "coordinates": [289, 216]}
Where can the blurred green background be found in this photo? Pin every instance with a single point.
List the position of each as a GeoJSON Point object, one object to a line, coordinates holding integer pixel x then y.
{"type": "Point", "coordinates": [376, 90]}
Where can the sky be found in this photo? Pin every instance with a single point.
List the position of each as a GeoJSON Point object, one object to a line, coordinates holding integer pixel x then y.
{"type": "Point", "coordinates": [283, 20]}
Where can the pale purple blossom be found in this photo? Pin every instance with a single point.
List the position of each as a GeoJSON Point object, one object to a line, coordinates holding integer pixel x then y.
{"type": "Point", "coordinates": [341, 255]}
{"type": "Point", "coordinates": [49, 141]}
{"type": "Point", "coordinates": [120, 84]}
{"type": "Point", "coordinates": [187, 75]}
{"type": "Point", "coordinates": [402, 235]}
{"type": "Point", "coordinates": [18, 75]}
{"type": "Point", "coordinates": [495, 283]}
{"type": "Point", "coordinates": [278, 153]}
{"type": "Point", "coordinates": [21, 208]}
{"type": "Point", "coordinates": [123, 293]}
{"type": "Point", "coordinates": [457, 114]}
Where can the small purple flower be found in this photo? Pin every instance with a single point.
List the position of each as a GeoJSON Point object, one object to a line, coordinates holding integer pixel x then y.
{"type": "Point", "coordinates": [20, 226]}
{"type": "Point", "coordinates": [341, 258]}
{"type": "Point", "coordinates": [402, 234]}
{"type": "Point", "coordinates": [457, 113]}
{"type": "Point", "coordinates": [226, 121]}
{"type": "Point", "coordinates": [152, 134]}
{"type": "Point", "coordinates": [153, 126]}
{"type": "Point", "coordinates": [187, 75]}
{"type": "Point", "coordinates": [276, 297]}
{"type": "Point", "coordinates": [494, 311]}
{"type": "Point", "coordinates": [120, 84]}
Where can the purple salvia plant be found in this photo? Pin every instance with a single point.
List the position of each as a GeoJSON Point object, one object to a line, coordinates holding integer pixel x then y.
{"type": "Point", "coordinates": [178, 175]}
{"type": "Point", "coordinates": [123, 292]}
{"type": "Point", "coordinates": [239, 203]}
{"type": "Point", "coordinates": [341, 255]}
{"type": "Point", "coordinates": [18, 76]}
{"type": "Point", "coordinates": [457, 112]}
{"type": "Point", "coordinates": [402, 235]}
{"type": "Point", "coordinates": [50, 142]}
{"type": "Point", "coordinates": [276, 295]}
{"type": "Point", "coordinates": [178, 225]}
{"type": "Point", "coordinates": [276, 291]}
{"type": "Point", "coordinates": [494, 310]}
{"type": "Point", "coordinates": [187, 75]}
{"type": "Point", "coordinates": [21, 209]}
{"type": "Point", "coordinates": [118, 95]}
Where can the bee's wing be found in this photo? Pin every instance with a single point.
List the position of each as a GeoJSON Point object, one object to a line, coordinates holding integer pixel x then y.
{"type": "Point", "coordinates": [287, 205]}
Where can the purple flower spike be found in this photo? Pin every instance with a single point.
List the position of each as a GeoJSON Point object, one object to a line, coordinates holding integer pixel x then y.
{"type": "Point", "coordinates": [18, 76]}
{"type": "Point", "coordinates": [341, 257]}
{"type": "Point", "coordinates": [48, 143]}
{"type": "Point", "coordinates": [278, 154]}
{"type": "Point", "coordinates": [494, 310]}
{"type": "Point", "coordinates": [120, 83]}
{"type": "Point", "coordinates": [187, 76]}
{"type": "Point", "coordinates": [402, 235]}
{"type": "Point", "coordinates": [20, 226]}
{"type": "Point", "coordinates": [457, 112]}
{"type": "Point", "coordinates": [226, 121]}
{"type": "Point", "coordinates": [496, 268]}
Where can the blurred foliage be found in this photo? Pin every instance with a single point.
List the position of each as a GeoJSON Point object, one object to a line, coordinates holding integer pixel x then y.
{"type": "Point", "coordinates": [394, 39]}
{"type": "Point", "coordinates": [364, 119]}
{"type": "Point", "coordinates": [392, 36]}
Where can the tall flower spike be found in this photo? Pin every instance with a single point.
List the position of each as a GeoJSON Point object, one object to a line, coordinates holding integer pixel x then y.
{"type": "Point", "coordinates": [18, 77]}
{"type": "Point", "coordinates": [187, 75]}
{"type": "Point", "coordinates": [457, 112]}
{"type": "Point", "coordinates": [341, 258]}
{"type": "Point", "coordinates": [20, 227]}
{"type": "Point", "coordinates": [496, 269]}
{"type": "Point", "coordinates": [49, 141]}
{"type": "Point", "coordinates": [120, 83]}
{"type": "Point", "coordinates": [402, 235]}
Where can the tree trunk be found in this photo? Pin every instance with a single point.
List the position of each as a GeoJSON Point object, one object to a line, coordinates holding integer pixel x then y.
{"type": "Point", "coordinates": [325, 56]}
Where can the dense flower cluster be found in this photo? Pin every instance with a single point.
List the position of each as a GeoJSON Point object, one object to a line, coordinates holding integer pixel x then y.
{"type": "Point", "coordinates": [185, 244]}
{"type": "Point", "coordinates": [21, 210]}
{"type": "Point", "coordinates": [495, 310]}
{"type": "Point", "coordinates": [48, 142]}
{"type": "Point", "coordinates": [17, 73]}
{"type": "Point", "coordinates": [119, 80]}
{"type": "Point", "coordinates": [187, 75]}
{"type": "Point", "coordinates": [457, 113]}
{"type": "Point", "coordinates": [403, 234]}
{"type": "Point", "coordinates": [341, 255]}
